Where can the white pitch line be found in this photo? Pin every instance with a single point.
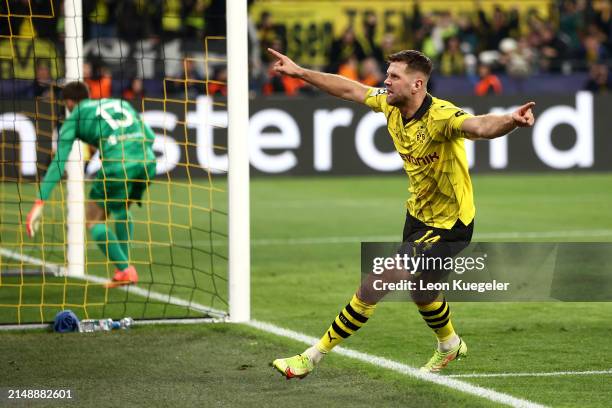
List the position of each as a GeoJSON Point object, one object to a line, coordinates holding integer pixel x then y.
{"type": "Point", "coordinates": [545, 374]}
{"type": "Point", "coordinates": [148, 294]}
{"type": "Point", "coordinates": [11, 327]}
{"type": "Point", "coordinates": [382, 362]}
{"type": "Point", "coordinates": [401, 368]}
{"type": "Point", "coordinates": [55, 269]}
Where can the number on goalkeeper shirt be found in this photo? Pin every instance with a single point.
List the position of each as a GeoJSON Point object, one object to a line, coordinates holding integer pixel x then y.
{"type": "Point", "coordinates": [109, 110]}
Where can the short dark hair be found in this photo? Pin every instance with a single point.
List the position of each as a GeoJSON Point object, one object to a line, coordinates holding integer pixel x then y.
{"type": "Point", "coordinates": [77, 91]}
{"type": "Point", "coordinates": [415, 60]}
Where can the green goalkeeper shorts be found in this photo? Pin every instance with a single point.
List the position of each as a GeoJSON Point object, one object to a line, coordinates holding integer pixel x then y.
{"type": "Point", "coordinates": [116, 185]}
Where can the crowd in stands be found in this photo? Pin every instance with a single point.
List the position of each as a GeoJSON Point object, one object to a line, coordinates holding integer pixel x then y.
{"type": "Point", "coordinates": [129, 20]}
{"type": "Point", "coordinates": [575, 37]}
{"type": "Point", "coordinates": [139, 35]}
{"type": "Point", "coordinates": [483, 48]}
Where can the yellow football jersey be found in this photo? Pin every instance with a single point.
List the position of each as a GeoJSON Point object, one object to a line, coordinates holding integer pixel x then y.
{"type": "Point", "coordinates": [431, 144]}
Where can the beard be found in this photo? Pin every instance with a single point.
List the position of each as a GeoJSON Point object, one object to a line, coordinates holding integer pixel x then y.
{"type": "Point", "coordinates": [396, 100]}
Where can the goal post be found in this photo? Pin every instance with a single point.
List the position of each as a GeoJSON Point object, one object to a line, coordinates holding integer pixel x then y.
{"type": "Point", "coordinates": [190, 239]}
{"type": "Point", "coordinates": [238, 155]}
{"type": "Point", "coordinates": [75, 168]}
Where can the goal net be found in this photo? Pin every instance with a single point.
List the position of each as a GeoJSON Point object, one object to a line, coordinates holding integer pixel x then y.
{"type": "Point", "coordinates": [180, 243]}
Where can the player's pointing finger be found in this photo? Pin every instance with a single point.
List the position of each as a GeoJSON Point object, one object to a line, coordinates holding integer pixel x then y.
{"type": "Point", "coordinates": [275, 53]}
{"type": "Point", "coordinates": [527, 106]}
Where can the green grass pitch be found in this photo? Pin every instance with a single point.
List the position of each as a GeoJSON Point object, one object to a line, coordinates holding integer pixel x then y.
{"type": "Point", "coordinates": [305, 263]}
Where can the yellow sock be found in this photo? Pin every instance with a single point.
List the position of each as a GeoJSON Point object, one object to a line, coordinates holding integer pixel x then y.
{"type": "Point", "coordinates": [438, 317]}
{"type": "Point", "coordinates": [349, 320]}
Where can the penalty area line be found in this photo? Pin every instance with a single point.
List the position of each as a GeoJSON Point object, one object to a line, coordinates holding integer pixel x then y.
{"type": "Point", "coordinates": [377, 361]}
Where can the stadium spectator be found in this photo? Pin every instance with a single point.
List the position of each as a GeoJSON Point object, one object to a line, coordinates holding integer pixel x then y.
{"type": "Point", "coordinates": [215, 16]}
{"type": "Point", "coordinates": [423, 26]}
{"type": "Point", "coordinates": [349, 68]}
{"type": "Point", "coordinates": [370, 26]}
{"type": "Point", "coordinates": [134, 91]}
{"type": "Point", "coordinates": [195, 21]}
{"type": "Point", "coordinates": [552, 48]}
{"type": "Point", "coordinates": [189, 83]}
{"type": "Point", "coordinates": [172, 12]}
{"type": "Point", "coordinates": [267, 35]}
{"type": "Point", "coordinates": [370, 73]}
{"type": "Point", "coordinates": [43, 84]}
{"type": "Point", "coordinates": [444, 29]}
{"type": "Point", "coordinates": [489, 83]}
{"type": "Point", "coordinates": [599, 79]}
{"type": "Point", "coordinates": [493, 31]}
{"type": "Point", "coordinates": [256, 65]}
{"type": "Point", "coordinates": [99, 80]}
{"type": "Point", "coordinates": [516, 57]}
{"type": "Point", "coordinates": [44, 27]}
{"type": "Point", "coordinates": [100, 18]}
{"type": "Point", "coordinates": [593, 49]}
{"type": "Point", "coordinates": [344, 48]}
{"type": "Point", "coordinates": [603, 19]}
{"type": "Point", "coordinates": [467, 33]}
{"type": "Point", "coordinates": [452, 60]}
{"type": "Point", "coordinates": [282, 84]}
{"type": "Point", "coordinates": [571, 22]}
{"type": "Point", "coordinates": [219, 84]}
{"type": "Point", "coordinates": [135, 20]}
{"type": "Point", "coordinates": [535, 22]}
{"type": "Point", "coordinates": [388, 46]}
{"type": "Point", "coordinates": [12, 15]}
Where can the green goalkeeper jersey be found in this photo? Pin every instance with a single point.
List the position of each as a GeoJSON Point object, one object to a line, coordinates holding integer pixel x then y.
{"type": "Point", "coordinates": [112, 126]}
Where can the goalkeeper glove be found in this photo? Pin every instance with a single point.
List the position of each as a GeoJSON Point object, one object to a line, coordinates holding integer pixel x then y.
{"type": "Point", "coordinates": [34, 216]}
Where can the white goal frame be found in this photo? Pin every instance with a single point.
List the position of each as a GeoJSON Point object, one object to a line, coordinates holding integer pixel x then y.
{"type": "Point", "coordinates": [238, 171]}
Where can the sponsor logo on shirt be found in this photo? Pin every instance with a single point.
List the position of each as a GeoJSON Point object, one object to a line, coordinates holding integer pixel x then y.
{"type": "Point", "coordinates": [420, 161]}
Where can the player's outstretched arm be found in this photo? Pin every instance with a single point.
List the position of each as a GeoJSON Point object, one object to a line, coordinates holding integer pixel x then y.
{"type": "Point", "coordinates": [491, 126]}
{"type": "Point", "coordinates": [335, 85]}
{"type": "Point", "coordinates": [52, 176]}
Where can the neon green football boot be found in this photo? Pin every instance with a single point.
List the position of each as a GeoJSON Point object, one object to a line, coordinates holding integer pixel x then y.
{"type": "Point", "coordinates": [441, 360]}
{"type": "Point", "coordinates": [294, 367]}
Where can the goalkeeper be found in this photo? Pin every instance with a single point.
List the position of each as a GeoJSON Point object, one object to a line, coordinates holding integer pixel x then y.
{"type": "Point", "coordinates": [125, 144]}
{"type": "Point", "coordinates": [428, 133]}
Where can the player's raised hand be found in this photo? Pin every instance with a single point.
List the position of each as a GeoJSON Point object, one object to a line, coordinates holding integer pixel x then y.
{"type": "Point", "coordinates": [523, 116]}
{"type": "Point", "coordinates": [33, 219]}
{"type": "Point", "coordinates": [285, 65]}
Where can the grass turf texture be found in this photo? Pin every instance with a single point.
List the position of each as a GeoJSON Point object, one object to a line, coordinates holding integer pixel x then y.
{"type": "Point", "coordinates": [302, 287]}
{"type": "Point", "coordinates": [199, 366]}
